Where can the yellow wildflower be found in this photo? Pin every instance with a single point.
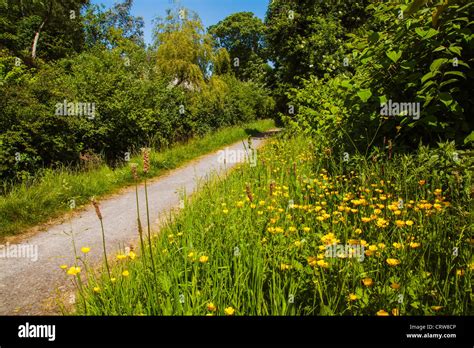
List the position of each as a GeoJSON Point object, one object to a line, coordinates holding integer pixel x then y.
{"type": "Point", "coordinates": [85, 250]}
{"type": "Point", "coordinates": [393, 262]}
{"type": "Point", "coordinates": [367, 281]}
{"type": "Point", "coordinates": [399, 223]}
{"type": "Point", "coordinates": [397, 245]}
{"type": "Point", "coordinates": [312, 261]}
{"type": "Point", "coordinates": [229, 311]}
{"type": "Point", "coordinates": [382, 223]}
{"type": "Point", "coordinates": [74, 270]}
{"type": "Point", "coordinates": [395, 286]}
{"type": "Point", "coordinates": [353, 297]}
{"type": "Point", "coordinates": [322, 263]}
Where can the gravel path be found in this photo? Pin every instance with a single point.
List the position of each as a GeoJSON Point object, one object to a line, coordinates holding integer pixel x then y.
{"type": "Point", "coordinates": [27, 286]}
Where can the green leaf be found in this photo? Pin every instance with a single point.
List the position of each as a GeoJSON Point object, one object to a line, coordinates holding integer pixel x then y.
{"type": "Point", "coordinates": [426, 34]}
{"type": "Point", "coordinates": [456, 49]}
{"type": "Point", "coordinates": [364, 94]}
{"type": "Point", "coordinates": [447, 82]}
{"type": "Point", "coordinates": [437, 63]}
{"type": "Point", "coordinates": [426, 85]}
{"type": "Point", "coordinates": [393, 55]}
{"type": "Point", "coordinates": [346, 84]}
{"type": "Point", "coordinates": [420, 32]}
{"type": "Point", "coordinates": [415, 6]}
{"type": "Point", "coordinates": [469, 138]}
{"type": "Point", "coordinates": [457, 73]}
{"type": "Point", "coordinates": [445, 98]}
{"type": "Point", "coordinates": [427, 76]}
{"type": "Point", "coordinates": [374, 37]}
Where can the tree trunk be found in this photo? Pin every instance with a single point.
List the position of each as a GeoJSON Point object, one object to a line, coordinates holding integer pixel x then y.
{"type": "Point", "coordinates": [35, 40]}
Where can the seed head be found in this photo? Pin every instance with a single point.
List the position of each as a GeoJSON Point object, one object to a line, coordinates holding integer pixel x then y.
{"type": "Point", "coordinates": [249, 192]}
{"type": "Point", "coordinates": [97, 208]}
{"type": "Point", "coordinates": [133, 167]}
{"type": "Point", "coordinates": [146, 159]}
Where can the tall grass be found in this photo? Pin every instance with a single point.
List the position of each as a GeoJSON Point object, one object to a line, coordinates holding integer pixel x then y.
{"type": "Point", "coordinates": [257, 242]}
{"type": "Point", "coordinates": [56, 191]}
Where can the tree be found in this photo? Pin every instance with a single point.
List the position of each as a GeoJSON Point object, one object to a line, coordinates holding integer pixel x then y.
{"type": "Point", "coordinates": [47, 29]}
{"type": "Point", "coordinates": [184, 50]}
{"type": "Point", "coordinates": [100, 26]}
{"type": "Point", "coordinates": [221, 63]}
{"type": "Point", "coordinates": [306, 37]}
{"type": "Point", "coordinates": [242, 35]}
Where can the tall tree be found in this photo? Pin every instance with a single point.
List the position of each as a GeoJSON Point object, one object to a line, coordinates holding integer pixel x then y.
{"type": "Point", "coordinates": [50, 29]}
{"type": "Point", "coordinates": [100, 26]}
{"type": "Point", "coordinates": [306, 37]}
{"type": "Point", "coordinates": [184, 50]}
{"type": "Point", "coordinates": [242, 35]}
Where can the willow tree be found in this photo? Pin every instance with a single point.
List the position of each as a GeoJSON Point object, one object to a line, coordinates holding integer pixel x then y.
{"type": "Point", "coordinates": [184, 50]}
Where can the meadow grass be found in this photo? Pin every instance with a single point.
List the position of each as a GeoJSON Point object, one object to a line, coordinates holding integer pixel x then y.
{"type": "Point", "coordinates": [56, 191]}
{"type": "Point", "coordinates": [259, 241]}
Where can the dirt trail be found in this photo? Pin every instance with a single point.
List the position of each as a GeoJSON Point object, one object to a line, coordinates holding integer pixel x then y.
{"type": "Point", "coordinates": [27, 286]}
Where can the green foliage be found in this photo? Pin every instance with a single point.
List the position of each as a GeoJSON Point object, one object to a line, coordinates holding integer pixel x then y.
{"type": "Point", "coordinates": [306, 38]}
{"type": "Point", "coordinates": [184, 49]}
{"type": "Point", "coordinates": [238, 243]}
{"type": "Point", "coordinates": [101, 26]}
{"type": "Point", "coordinates": [424, 57]}
{"type": "Point", "coordinates": [57, 23]}
{"type": "Point", "coordinates": [50, 192]}
{"type": "Point", "coordinates": [242, 35]}
{"type": "Point", "coordinates": [139, 98]}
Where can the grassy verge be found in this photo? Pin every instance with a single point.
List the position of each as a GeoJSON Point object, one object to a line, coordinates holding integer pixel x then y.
{"type": "Point", "coordinates": [57, 191]}
{"type": "Point", "coordinates": [264, 241]}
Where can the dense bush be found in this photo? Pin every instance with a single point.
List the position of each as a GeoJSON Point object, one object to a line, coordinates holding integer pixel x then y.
{"type": "Point", "coordinates": [131, 102]}
{"type": "Point", "coordinates": [418, 53]}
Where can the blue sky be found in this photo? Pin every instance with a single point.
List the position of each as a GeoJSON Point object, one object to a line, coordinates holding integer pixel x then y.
{"type": "Point", "coordinates": [210, 11]}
